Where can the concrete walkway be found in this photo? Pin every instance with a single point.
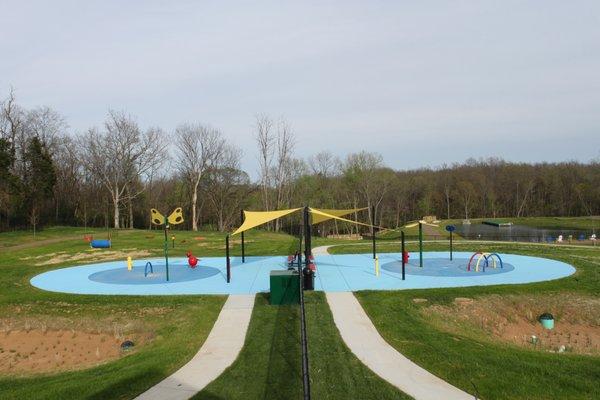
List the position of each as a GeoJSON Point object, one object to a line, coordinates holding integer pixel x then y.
{"type": "Point", "coordinates": [321, 251]}
{"type": "Point", "coordinates": [366, 343]}
{"type": "Point", "coordinates": [220, 350]}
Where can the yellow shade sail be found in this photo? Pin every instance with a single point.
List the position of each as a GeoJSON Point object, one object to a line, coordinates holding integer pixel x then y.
{"type": "Point", "coordinates": [253, 219]}
{"type": "Point", "coordinates": [316, 218]}
{"type": "Point", "coordinates": [319, 213]}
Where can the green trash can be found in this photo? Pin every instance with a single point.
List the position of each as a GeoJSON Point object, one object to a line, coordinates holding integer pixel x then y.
{"type": "Point", "coordinates": [284, 287]}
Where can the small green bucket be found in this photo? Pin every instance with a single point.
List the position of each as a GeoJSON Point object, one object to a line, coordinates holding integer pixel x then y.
{"type": "Point", "coordinates": [547, 321]}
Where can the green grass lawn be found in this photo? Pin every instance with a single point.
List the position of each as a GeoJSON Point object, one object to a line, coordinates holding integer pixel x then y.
{"type": "Point", "coordinates": [473, 362]}
{"type": "Point", "coordinates": [269, 365]}
{"type": "Point", "coordinates": [179, 324]}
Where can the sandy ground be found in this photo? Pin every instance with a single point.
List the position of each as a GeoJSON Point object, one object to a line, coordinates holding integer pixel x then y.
{"type": "Point", "coordinates": [37, 350]}
{"type": "Point", "coordinates": [513, 319]}
{"type": "Point", "coordinates": [89, 256]}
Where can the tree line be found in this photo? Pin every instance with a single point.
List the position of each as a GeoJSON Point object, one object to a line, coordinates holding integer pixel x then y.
{"type": "Point", "coordinates": [111, 176]}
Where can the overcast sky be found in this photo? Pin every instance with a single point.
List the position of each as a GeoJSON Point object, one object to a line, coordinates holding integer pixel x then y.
{"type": "Point", "coordinates": [423, 83]}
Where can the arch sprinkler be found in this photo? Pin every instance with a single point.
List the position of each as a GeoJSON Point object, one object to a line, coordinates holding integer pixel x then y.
{"type": "Point", "coordinates": [491, 255]}
{"type": "Point", "coordinates": [471, 259]}
{"type": "Point", "coordinates": [486, 257]}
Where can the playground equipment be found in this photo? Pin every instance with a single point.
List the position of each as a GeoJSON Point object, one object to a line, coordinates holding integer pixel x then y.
{"type": "Point", "coordinates": [148, 264]}
{"type": "Point", "coordinates": [420, 223]}
{"type": "Point", "coordinates": [129, 264]}
{"type": "Point", "coordinates": [486, 257]}
{"type": "Point", "coordinates": [192, 261]}
{"type": "Point", "coordinates": [451, 229]}
{"type": "Point", "coordinates": [175, 218]}
{"type": "Point", "coordinates": [100, 244]}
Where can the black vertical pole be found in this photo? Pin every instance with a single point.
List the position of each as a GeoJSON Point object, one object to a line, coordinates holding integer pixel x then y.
{"type": "Point", "coordinates": [450, 245]}
{"type": "Point", "coordinates": [301, 233]}
{"type": "Point", "coordinates": [243, 247]}
{"type": "Point", "coordinates": [403, 263]}
{"type": "Point", "coordinates": [227, 257]}
{"type": "Point", "coordinates": [307, 237]}
{"type": "Point", "coordinates": [303, 339]}
{"type": "Point", "coordinates": [373, 231]}
{"type": "Point", "coordinates": [167, 251]}
{"type": "Point", "coordinates": [420, 244]}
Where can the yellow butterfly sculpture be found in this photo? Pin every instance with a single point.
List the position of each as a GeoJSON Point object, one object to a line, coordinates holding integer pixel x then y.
{"type": "Point", "coordinates": [175, 218]}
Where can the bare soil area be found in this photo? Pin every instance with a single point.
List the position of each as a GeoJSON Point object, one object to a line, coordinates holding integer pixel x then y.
{"type": "Point", "coordinates": [90, 255]}
{"type": "Point", "coordinates": [44, 344]}
{"type": "Point", "coordinates": [38, 350]}
{"type": "Point", "coordinates": [514, 319]}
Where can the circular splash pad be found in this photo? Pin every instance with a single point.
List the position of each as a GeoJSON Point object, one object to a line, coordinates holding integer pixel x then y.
{"type": "Point", "coordinates": [141, 276]}
{"type": "Point", "coordinates": [335, 273]}
{"type": "Point", "coordinates": [444, 267]}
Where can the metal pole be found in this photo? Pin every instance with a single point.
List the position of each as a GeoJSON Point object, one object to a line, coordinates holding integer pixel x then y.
{"type": "Point", "coordinates": [307, 237]}
{"type": "Point", "coordinates": [420, 245]}
{"type": "Point", "coordinates": [227, 257]}
{"type": "Point", "coordinates": [243, 247]}
{"type": "Point", "coordinates": [166, 251]}
{"type": "Point", "coordinates": [373, 231]}
{"type": "Point", "coordinates": [450, 245]}
{"type": "Point", "coordinates": [403, 263]}
{"type": "Point", "coordinates": [303, 340]}
{"type": "Point", "coordinates": [301, 229]}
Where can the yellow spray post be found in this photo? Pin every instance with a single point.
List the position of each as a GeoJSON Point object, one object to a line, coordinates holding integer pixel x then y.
{"type": "Point", "coordinates": [129, 264]}
{"type": "Point", "coordinates": [376, 265]}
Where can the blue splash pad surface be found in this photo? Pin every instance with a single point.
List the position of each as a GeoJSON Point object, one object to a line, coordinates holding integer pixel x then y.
{"type": "Point", "coordinates": [335, 273]}
{"type": "Point", "coordinates": [445, 267]}
{"type": "Point", "coordinates": [155, 275]}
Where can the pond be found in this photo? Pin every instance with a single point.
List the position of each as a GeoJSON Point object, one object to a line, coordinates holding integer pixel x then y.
{"type": "Point", "coordinates": [520, 233]}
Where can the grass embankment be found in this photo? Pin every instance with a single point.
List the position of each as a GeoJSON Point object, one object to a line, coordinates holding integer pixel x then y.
{"type": "Point", "coordinates": [177, 325]}
{"type": "Point", "coordinates": [468, 356]}
{"type": "Point", "coordinates": [269, 365]}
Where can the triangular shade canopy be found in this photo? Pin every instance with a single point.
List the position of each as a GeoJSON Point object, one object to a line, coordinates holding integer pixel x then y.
{"type": "Point", "coordinates": [253, 219]}
{"type": "Point", "coordinates": [319, 213]}
{"type": "Point", "coordinates": [318, 218]}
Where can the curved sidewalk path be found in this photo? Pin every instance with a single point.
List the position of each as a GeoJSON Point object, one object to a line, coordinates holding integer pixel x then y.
{"type": "Point", "coordinates": [218, 352]}
{"type": "Point", "coordinates": [361, 336]}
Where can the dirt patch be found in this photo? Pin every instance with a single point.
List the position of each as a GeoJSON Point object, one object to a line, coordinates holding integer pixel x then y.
{"type": "Point", "coordinates": [90, 255]}
{"type": "Point", "coordinates": [463, 300]}
{"type": "Point", "coordinates": [513, 319]}
{"type": "Point", "coordinates": [38, 350]}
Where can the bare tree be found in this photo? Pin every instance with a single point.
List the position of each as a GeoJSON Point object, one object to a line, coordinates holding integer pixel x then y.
{"type": "Point", "coordinates": [324, 164]}
{"type": "Point", "coordinates": [281, 174]}
{"type": "Point", "coordinates": [265, 140]}
{"type": "Point", "coordinates": [120, 155]}
{"type": "Point", "coordinates": [227, 187]}
{"type": "Point", "coordinates": [466, 191]}
{"type": "Point", "coordinates": [48, 125]}
{"type": "Point", "coordinates": [11, 122]}
{"type": "Point", "coordinates": [199, 148]}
